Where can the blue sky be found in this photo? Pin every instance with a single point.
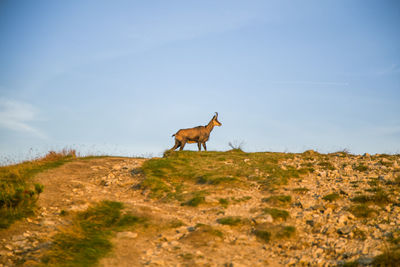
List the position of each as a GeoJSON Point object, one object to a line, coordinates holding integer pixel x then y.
{"type": "Point", "coordinates": [120, 77]}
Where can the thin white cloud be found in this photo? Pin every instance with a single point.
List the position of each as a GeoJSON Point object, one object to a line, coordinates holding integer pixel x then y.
{"type": "Point", "coordinates": [392, 69]}
{"type": "Point", "coordinates": [17, 116]}
{"type": "Point", "coordinates": [312, 83]}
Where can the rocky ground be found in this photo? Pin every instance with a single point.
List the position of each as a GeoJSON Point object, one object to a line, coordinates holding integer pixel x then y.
{"type": "Point", "coordinates": [328, 226]}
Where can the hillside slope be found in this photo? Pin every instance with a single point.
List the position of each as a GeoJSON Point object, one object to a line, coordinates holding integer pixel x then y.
{"type": "Point", "coordinates": [224, 209]}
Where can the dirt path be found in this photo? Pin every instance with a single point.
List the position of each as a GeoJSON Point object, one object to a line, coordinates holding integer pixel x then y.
{"type": "Point", "coordinates": [73, 186]}
{"type": "Point", "coordinates": [326, 232]}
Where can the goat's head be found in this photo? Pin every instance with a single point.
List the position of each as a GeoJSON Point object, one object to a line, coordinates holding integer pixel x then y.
{"type": "Point", "coordinates": [215, 120]}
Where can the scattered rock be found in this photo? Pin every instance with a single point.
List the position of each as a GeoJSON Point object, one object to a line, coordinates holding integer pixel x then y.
{"type": "Point", "coordinates": [127, 235]}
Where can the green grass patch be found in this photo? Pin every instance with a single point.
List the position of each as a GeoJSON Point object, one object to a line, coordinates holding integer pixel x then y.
{"type": "Point", "coordinates": [267, 232]}
{"type": "Point", "coordinates": [88, 238]}
{"type": "Point", "coordinates": [241, 199]}
{"type": "Point", "coordinates": [326, 165]}
{"type": "Point", "coordinates": [277, 213]}
{"type": "Point", "coordinates": [300, 190]}
{"type": "Point", "coordinates": [386, 163]}
{"type": "Point", "coordinates": [211, 168]}
{"type": "Point", "coordinates": [278, 200]}
{"type": "Point", "coordinates": [224, 202]}
{"type": "Point", "coordinates": [197, 198]}
{"type": "Point", "coordinates": [230, 220]}
{"type": "Point", "coordinates": [362, 211]}
{"type": "Point", "coordinates": [262, 234]}
{"type": "Point", "coordinates": [18, 192]}
{"type": "Point", "coordinates": [331, 197]}
{"type": "Point", "coordinates": [285, 232]}
{"type": "Point", "coordinates": [390, 258]}
{"type": "Point", "coordinates": [380, 197]}
{"type": "Point", "coordinates": [360, 168]}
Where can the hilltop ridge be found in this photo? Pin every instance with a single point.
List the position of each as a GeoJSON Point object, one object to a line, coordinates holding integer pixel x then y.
{"type": "Point", "coordinates": [221, 209]}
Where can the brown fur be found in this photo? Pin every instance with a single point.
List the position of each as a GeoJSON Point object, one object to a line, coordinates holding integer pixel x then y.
{"type": "Point", "coordinates": [199, 134]}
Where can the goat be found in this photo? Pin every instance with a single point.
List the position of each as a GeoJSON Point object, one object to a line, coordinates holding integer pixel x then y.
{"type": "Point", "coordinates": [199, 134]}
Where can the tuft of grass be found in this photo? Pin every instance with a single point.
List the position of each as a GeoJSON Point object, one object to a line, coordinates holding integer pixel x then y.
{"type": "Point", "coordinates": [87, 239]}
{"type": "Point", "coordinates": [390, 258]}
{"type": "Point", "coordinates": [277, 213]}
{"type": "Point", "coordinates": [278, 200]}
{"type": "Point", "coordinates": [202, 235]}
{"type": "Point", "coordinates": [266, 232]}
{"type": "Point", "coordinates": [331, 197]}
{"type": "Point", "coordinates": [386, 163]}
{"type": "Point", "coordinates": [326, 165]}
{"type": "Point", "coordinates": [380, 197]}
{"type": "Point", "coordinates": [351, 264]}
{"type": "Point", "coordinates": [360, 168]}
{"type": "Point", "coordinates": [230, 220]}
{"type": "Point", "coordinates": [197, 199]}
{"type": "Point", "coordinates": [224, 202]}
{"type": "Point", "coordinates": [18, 193]}
{"type": "Point", "coordinates": [264, 235]}
{"type": "Point", "coordinates": [211, 168]}
{"type": "Point", "coordinates": [242, 199]}
{"type": "Point", "coordinates": [300, 190]}
{"type": "Point", "coordinates": [285, 232]}
{"type": "Point", "coordinates": [362, 211]}
{"type": "Point", "coordinates": [175, 223]}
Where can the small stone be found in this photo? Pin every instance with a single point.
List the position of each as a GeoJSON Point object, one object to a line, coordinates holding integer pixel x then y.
{"type": "Point", "coordinates": [344, 230]}
{"type": "Point", "coordinates": [26, 234]}
{"type": "Point", "coordinates": [342, 219]}
{"type": "Point", "coordinates": [159, 262]}
{"type": "Point", "coordinates": [174, 243]}
{"type": "Point", "coordinates": [319, 251]}
{"type": "Point", "coordinates": [18, 238]}
{"type": "Point", "coordinates": [127, 235]}
{"type": "Point", "coordinates": [117, 167]}
{"type": "Point", "coordinates": [310, 222]}
{"type": "Point", "coordinates": [365, 261]}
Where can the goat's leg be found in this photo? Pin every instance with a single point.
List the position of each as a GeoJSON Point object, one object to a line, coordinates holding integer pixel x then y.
{"type": "Point", "coordinates": [199, 146]}
{"type": "Point", "coordinates": [204, 145]}
{"type": "Point", "coordinates": [183, 143]}
{"type": "Point", "coordinates": [177, 144]}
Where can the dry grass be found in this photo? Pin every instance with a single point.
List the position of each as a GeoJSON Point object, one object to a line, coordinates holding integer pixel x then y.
{"type": "Point", "coordinates": [86, 240]}
{"type": "Point", "coordinates": [18, 193]}
{"type": "Point", "coordinates": [267, 232]}
{"type": "Point", "coordinates": [278, 200]}
{"type": "Point", "coordinates": [331, 197]}
{"type": "Point", "coordinates": [214, 169]}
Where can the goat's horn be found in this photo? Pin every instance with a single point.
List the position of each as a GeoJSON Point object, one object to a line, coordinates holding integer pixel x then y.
{"type": "Point", "coordinates": [216, 114]}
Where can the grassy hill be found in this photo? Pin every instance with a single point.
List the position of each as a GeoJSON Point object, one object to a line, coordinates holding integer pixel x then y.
{"type": "Point", "coordinates": [197, 208]}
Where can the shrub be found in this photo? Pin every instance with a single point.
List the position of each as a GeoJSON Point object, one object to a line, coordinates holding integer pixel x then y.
{"type": "Point", "coordinates": [230, 220]}
{"type": "Point", "coordinates": [278, 200]}
{"type": "Point", "coordinates": [277, 213]}
{"type": "Point", "coordinates": [331, 197]}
